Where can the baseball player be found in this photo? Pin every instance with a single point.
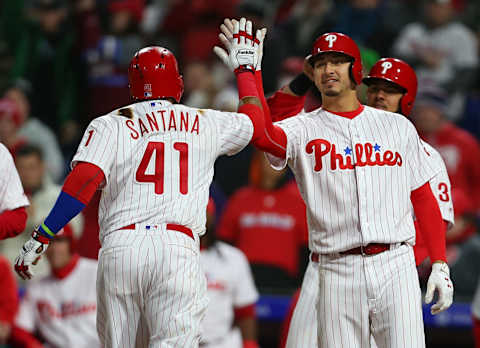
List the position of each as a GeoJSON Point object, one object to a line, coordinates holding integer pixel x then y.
{"type": "Point", "coordinates": [231, 292]}
{"type": "Point", "coordinates": [392, 87]}
{"type": "Point", "coordinates": [357, 169]}
{"type": "Point", "coordinates": [13, 216]}
{"type": "Point", "coordinates": [61, 307]}
{"type": "Point", "coordinates": [154, 161]}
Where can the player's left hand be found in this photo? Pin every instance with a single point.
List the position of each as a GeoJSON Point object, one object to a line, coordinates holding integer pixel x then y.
{"type": "Point", "coordinates": [439, 280]}
{"type": "Point", "coordinates": [30, 253]}
{"type": "Point", "coordinates": [242, 46]}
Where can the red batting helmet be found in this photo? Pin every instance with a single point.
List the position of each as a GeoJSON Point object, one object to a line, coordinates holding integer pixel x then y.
{"type": "Point", "coordinates": [153, 74]}
{"type": "Point", "coordinates": [399, 73]}
{"type": "Point", "coordinates": [341, 43]}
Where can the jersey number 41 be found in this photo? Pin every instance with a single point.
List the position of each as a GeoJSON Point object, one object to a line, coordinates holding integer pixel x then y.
{"type": "Point", "coordinates": [157, 178]}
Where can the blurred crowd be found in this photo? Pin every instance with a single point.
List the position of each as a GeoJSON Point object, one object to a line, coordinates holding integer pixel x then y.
{"type": "Point", "coordinates": [63, 63]}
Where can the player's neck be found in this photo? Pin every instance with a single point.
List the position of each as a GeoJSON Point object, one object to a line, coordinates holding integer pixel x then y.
{"type": "Point", "coordinates": [341, 103]}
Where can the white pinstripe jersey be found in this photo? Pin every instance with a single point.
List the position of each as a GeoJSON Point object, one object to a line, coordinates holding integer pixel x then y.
{"type": "Point", "coordinates": [440, 184]}
{"type": "Point", "coordinates": [158, 160]}
{"type": "Point", "coordinates": [355, 176]}
{"type": "Point", "coordinates": [11, 190]}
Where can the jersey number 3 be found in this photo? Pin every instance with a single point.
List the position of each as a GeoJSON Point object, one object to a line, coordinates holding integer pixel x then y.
{"type": "Point", "coordinates": [157, 177]}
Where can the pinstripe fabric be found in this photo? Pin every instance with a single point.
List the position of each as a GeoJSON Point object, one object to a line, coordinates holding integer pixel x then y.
{"type": "Point", "coordinates": [119, 143]}
{"type": "Point", "coordinates": [356, 176]}
{"type": "Point", "coordinates": [11, 190]}
{"type": "Point", "coordinates": [440, 184]}
{"type": "Point", "coordinates": [158, 161]}
{"type": "Point", "coordinates": [303, 326]}
{"type": "Point", "coordinates": [131, 291]}
{"type": "Point", "coordinates": [355, 206]}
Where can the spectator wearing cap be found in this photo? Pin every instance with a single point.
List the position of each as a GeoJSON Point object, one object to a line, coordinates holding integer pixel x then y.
{"type": "Point", "coordinates": [35, 131]}
{"type": "Point", "coordinates": [443, 52]}
{"type": "Point", "coordinates": [458, 148]}
{"type": "Point", "coordinates": [60, 307]}
{"type": "Point", "coordinates": [42, 194]}
{"type": "Point", "coordinates": [11, 121]}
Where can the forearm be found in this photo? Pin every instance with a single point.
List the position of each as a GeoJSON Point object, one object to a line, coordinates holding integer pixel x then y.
{"type": "Point", "coordinates": [78, 189]}
{"type": "Point", "coordinates": [245, 319]}
{"type": "Point", "coordinates": [12, 222]}
{"type": "Point", "coordinates": [266, 137]}
{"type": "Point", "coordinates": [430, 222]}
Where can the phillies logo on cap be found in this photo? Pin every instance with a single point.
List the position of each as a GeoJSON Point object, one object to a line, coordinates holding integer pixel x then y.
{"type": "Point", "coordinates": [386, 66]}
{"type": "Point", "coordinates": [331, 38]}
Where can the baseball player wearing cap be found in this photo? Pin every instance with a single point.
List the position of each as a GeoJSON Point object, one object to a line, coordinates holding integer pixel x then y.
{"type": "Point", "coordinates": [392, 87]}
{"type": "Point", "coordinates": [358, 170]}
{"type": "Point", "coordinates": [67, 318]}
{"type": "Point", "coordinates": [154, 161]}
{"type": "Point", "coordinates": [230, 319]}
{"type": "Point", "coordinates": [13, 216]}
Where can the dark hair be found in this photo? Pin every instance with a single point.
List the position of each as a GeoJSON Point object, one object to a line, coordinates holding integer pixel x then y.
{"type": "Point", "coordinates": [29, 149]}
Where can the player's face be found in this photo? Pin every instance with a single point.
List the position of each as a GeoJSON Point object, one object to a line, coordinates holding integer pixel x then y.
{"type": "Point", "coordinates": [331, 72]}
{"type": "Point", "coordinates": [31, 170]}
{"type": "Point", "coordinates": [384, 95]}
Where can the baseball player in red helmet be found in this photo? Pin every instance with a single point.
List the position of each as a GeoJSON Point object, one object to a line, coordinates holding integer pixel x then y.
{"type": "Point", "coordinates": [153, 161]}
{"type": "Point", "coordinates": [359, 169]}
{"type": "Point", "coordinates": [392, 86]}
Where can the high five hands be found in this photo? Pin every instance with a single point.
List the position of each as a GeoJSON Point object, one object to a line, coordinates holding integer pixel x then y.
{"type": "Point", "coordinates": [242, 50]}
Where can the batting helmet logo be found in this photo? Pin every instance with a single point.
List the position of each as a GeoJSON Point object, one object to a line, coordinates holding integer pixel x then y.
{"type": "Point", "coordinates": [331, 38]}
{"type": "Point", "coordinates": [400, 73]}
{"type": "Point", "coordinates": [340, 43]}
{"type": "Point", "coordinates": [153, 74]}
{"type": "Point", "coordinates": [386, 66]}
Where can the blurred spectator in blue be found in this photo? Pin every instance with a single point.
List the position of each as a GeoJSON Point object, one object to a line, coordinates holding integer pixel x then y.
{"type": "Point", "coordinates": [308, 19]}
{"type": "Point", "coordinates": [107, 60]}
{"type": "Point", "coordinates": [46, 56]}
{"type": "Point", "coordinates": [443, 51]}
{"type": "Point", "coordinates": [365, 22]}
{"type": "Point", "coordinates": [35, 131]}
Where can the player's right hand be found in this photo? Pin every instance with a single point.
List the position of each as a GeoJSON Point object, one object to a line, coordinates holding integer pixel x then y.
{"type": "Point", "coordinates": [242, 47]}
{"type": "Point", "coordinates": [226, 36]}
{"type": "Point", "coordinates": [439, 280]}
{"type": "Point", "coordinates": [30, 253]}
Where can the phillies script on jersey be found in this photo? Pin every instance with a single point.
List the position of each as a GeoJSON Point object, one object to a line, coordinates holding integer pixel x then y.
{"type": "Point", "coordinates": [366, 154]}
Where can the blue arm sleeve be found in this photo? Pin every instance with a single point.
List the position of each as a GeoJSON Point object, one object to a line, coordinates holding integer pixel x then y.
{"type": "Point", "coordinates": [66, 208]}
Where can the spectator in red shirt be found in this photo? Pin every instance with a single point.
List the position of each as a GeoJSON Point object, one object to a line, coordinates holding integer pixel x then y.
{"type": "Point", "coordinates": [10, 122]}
{"type": "Point", "coordinates": [8, 300]}
{"type": "Point", "coordinates": [266, 220]}
{"type": "Point", "coordinates": [459, 149]}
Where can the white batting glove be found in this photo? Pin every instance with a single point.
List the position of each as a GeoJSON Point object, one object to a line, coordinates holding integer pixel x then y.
{"type": "Point", "coordinates": [227, 30]}
{"type": "Point", "coordinates": [242, 47]}
{"type": "Point", "coordinates": [30, 253]}
{"type": "Point", "coordinates": [439, 279]}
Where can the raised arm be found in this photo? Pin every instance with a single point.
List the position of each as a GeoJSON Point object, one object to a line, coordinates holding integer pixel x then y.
{"type": "Point", "coordinates": [242, 58]}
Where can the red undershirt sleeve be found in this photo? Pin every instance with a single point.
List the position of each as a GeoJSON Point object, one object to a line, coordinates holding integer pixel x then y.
{"type": "Point", "coordinates": [12, 222]}
{"type": "Point", "coordinates": [83, 181]}
{"type": "Point", "coordinates": [430, 222]}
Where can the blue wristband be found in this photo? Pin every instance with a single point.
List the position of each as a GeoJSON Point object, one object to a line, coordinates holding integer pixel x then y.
{"type": "Point", "coordinates": [66, 208]}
